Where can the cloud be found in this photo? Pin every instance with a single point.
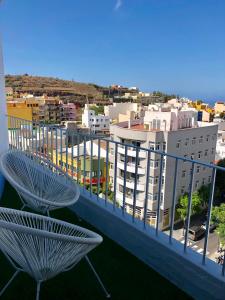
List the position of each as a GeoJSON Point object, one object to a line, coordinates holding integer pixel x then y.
{"type": "Point", "coordinates": [118, 4]}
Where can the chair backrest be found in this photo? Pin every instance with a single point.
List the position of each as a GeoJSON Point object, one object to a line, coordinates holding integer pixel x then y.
{"type": "Point", "coordinates": [38, 178]}
{"type": "Point", "coordinates": [43, 246]}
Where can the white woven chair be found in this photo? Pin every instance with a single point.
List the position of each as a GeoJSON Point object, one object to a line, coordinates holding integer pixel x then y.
{"type": "Point", "coordinates": [40, 184]}
{"type": "Point", "coordinates": [43, 247]}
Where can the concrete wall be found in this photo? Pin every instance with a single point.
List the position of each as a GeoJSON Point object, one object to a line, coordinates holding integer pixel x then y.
{"type": "Point", "coordinates": [3, 119]}
{"type": "Point", "coordinates": [182, 269]}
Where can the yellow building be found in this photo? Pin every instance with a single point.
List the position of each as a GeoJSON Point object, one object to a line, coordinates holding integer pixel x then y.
{"type": "Point", "coordinates": [68, 164]}
{"type": "Point", "coordinates": [18, 110]}
{"type": "Point", "coordinates": [25, 109]}
{"type": "Point", "coordinates": [34, 105]}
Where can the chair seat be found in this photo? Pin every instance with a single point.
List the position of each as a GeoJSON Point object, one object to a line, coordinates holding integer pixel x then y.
{"type": "Point", "coordinates": [42, 246]}
{"type": "Point", "coordinates": [40, 183]}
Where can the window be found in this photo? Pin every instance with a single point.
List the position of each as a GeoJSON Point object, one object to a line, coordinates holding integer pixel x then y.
{"type": "Point", "coordinates": [185, 156]}
{"type": "Point", "coordinates": [183, 173]}
{"type": "Point", "coordinates": [201, 140]}
{"type": "Point", "coordinates": [196, 184]}
{"type": "Point", "coordinates": [192, 156]}
{"type": "Point", "coordinates": [209, 179]}
{"type": "Point", "coordinates": [178, 144]}
{"type": "Point", "coordinates": [198, 169]}
{"type": "Point", "coordinates": [153, 180]}
{"type": "Point", "coordinates": [152, 146]}
{"type": "Point", "coordinates": [154, 163]}
{"type": "Point", "coordinates": [153, 197]}
{"type": "Point", "coordinates": [157, 146]}
{"type": "Point", "coordinates": [163, 180]}
{"type": "Point", "coordinates": [156, 124]}
{"type": "Point", "coordinates": [206, 152]}
{"type": "Point", "coordinates": [213, 137]}
{"type": "Point", "coordinates": [207, 138]}
{"type": "Point", "coordinates": [164, 146]}
{"type": "Point", "coordinates": [199, 154]}
{"type": "Point", "coordinates": [212, 150]}
{"type": "Point", "coordinates": [182, 191]}
{"type": "Point", "coordinates": [193, 141]}
{"type": "Point", "coordinates": [186, 142]}
{"type": "Point", "coordinates": [203, 181]}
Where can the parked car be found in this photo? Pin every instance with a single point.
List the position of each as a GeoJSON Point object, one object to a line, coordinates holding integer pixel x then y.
{"type": "Point", "coordinates": [195, 232]}
{"type": "Point", "coordinates": [212, 226]}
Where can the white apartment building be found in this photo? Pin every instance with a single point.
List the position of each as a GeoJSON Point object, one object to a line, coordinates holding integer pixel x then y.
{"type": "Point", "coordinates": [94, 122]}
{"type": "Point", "coordinates": [119, 110]}
{"type": "Point", "coordinates": [172, 131]}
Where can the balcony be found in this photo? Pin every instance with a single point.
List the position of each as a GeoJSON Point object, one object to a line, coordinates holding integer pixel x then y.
{"type": "Point", "coordinates": [131, 152]}
{"type": "Point", "coordinates": [131, 184]}
{"type": "Point", "coordinates": [176, 260]}
{"type": "Point", "coordinates": [131, 168]}
{"type": "Point", "coordinates": [112, 261]}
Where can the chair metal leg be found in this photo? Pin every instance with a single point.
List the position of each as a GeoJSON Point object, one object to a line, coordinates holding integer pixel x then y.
{"type": "Point", "coordinates": [23, 206]}
{"type": "Point", "coordinates": [8, 283]}
{"type": "Point", "coordinates": [97, 277]}
{"type": "Point", "coordinates": [38, 290]}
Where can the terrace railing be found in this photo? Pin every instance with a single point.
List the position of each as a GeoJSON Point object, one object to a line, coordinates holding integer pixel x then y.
{"type": "Point", "coordinates": [53, 141]}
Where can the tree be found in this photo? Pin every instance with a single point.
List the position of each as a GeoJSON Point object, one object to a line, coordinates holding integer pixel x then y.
{"type": "Point", "coordinates": [204, 193]}
{"type": "Point", "coordinates": [218, 214]}
{"type": "Point", "coordinates": [196, 205]}
{"type": "Point", "coordinates": [221, 233]}
{"type": "Point", "coordinates": [220, 178]}
{"type": "Point", "coordinates": [199, 102]}
{"type": "Point", "coordinates": [97, 109]}
{"type": "Point", "coordinates": [218, 218]}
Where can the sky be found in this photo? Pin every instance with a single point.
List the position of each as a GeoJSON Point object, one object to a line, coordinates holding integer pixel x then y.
{"type": "Point", "coordinates": [175, 46]}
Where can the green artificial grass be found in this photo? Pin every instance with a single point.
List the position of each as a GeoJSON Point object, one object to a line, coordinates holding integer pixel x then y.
{"type": "Point", "coordinates": [125, 276]}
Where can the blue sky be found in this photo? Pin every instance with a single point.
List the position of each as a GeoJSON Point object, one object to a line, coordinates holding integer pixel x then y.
{"type": "Point", "coordinates": [176, 46]}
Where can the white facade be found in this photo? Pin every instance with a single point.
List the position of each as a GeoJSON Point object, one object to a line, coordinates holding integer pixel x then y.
{"type": "Point", "coordinates": [197, 142]}
{"type": "Point", "coordinates": [166, 119]}
{"type": "Point", "coordinates": [3, 119]}
{"type": "Point", "coordinates": [113, 111]}
{"type": "Point", "coordinates": [94, 122]}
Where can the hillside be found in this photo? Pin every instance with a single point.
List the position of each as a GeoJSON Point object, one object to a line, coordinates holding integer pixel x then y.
{"type": "Point", "coordinates": [66, 89]}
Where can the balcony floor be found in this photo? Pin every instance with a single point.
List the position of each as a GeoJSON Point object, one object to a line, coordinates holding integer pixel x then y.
{"type": "Point", "coordinates": [125, 276]}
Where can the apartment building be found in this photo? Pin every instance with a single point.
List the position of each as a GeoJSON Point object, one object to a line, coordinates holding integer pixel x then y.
{"type": "Point", "coordinates": [219, 107]}
{"type": "Point", "coordinates": [119, 112]}
{"type": "Point", "coordinates": [44, 109]}
{"type": "Point", "coordinates": [52, 106]}
{"type": "Point", "coordinates": [68, 112]}
{"type": "Point", "coordinates": [9, 93]}
{"type": "Point", "coordinates": [174, 131]}
{"type": "Point", "coordinates": [25, 109]}
{"type": "Point", "coordinates": [96, 123]}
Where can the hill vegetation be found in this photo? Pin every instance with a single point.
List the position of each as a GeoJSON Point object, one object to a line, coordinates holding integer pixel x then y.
{"type": "Point", "coordinates": [67, 89]}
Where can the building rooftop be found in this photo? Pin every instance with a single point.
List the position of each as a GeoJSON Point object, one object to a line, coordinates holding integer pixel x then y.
{"type": "Point", "coordinates": [120, 271]}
